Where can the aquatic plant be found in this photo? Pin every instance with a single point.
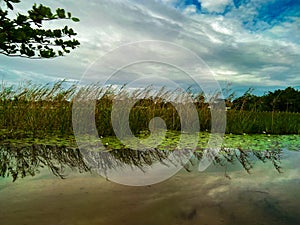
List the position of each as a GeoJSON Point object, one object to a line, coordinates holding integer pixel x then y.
{"type": "Point", "coordinates": [31, 110]}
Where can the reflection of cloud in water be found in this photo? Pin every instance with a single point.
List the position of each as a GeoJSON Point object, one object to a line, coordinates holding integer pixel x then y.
{"type": "Point", "coordinates": [262, 197]}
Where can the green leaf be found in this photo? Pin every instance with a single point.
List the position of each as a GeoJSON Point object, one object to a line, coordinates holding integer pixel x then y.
{"type": "Point", "coordinates": [75, 19]}
{"type": "Point", "coordinates": [45, 11]}
{"type": "Point", "coordinates": [9, 6]}
{"type": "Point", "coordinates": [61, 13]}
{"type": "Point", "coordinates": [27, 37]}
{"type": "Point", "coordinates": [57, 33]}
{"type": "Point", "coordinates": [21, 19]}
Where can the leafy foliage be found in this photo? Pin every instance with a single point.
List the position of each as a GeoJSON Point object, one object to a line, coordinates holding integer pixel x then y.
{"type": "Point", "coordinates": [280, 100]}
{"type": "Point", "coordinates": [25, 36]}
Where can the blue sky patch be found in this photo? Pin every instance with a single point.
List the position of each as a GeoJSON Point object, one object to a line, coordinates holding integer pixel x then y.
{"type": "Point", "coordinates": [238, 3]}
{"type": "Point", "coordinates": [279, 11]}
{"type": "Point", "coordinates": [183, 4]}
{"type": "Point", "coordinates": [268, 13]}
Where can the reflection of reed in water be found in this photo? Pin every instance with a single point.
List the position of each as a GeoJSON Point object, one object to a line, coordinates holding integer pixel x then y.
{"type": "Point", "coordinates": [119, 159]}
{"type": "Point", "coordinates": [19, 161]}
{"type": "Point", "coordinates": [245, 158]}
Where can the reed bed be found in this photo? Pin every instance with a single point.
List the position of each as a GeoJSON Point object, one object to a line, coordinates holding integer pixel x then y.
{"type": "Point", "coordinates": [45, 110]}
{"type": "Point", "coordinates": [239, 122]}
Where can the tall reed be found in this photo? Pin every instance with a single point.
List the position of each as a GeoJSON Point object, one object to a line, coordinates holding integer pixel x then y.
{"type": "Point", "coordinates": [43, 110]}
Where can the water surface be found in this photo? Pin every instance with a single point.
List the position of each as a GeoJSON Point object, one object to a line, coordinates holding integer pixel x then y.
{"type": "Point", "coordinates": [264, 196]}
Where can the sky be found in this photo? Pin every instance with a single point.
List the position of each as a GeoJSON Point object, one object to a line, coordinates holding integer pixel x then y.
{"type": "Point", "coordinates": [246, 43]}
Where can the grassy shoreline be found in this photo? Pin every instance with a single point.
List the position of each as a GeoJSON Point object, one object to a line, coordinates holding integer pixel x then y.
{"type": "Point", "coordinates": [41, 111]}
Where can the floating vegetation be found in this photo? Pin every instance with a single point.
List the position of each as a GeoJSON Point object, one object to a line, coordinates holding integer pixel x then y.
{"type": "Point", "coordinates": [23, 157]}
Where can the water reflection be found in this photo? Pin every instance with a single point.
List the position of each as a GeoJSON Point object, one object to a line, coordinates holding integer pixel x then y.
{"type": "Point", "coordinates": [188, 198]}
{"type": "Point", "coordinates": [19, 161]}
{"type": "Point", "coordinates": [245, 157]}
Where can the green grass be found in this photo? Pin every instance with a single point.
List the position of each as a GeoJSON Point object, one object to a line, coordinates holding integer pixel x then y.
{"type": "Point", "coordinates": [239, 122]}
{"type": "Point", "coordinates": [44, 110]}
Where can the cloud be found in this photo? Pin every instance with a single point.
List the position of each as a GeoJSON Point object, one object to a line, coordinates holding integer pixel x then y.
{"type": "Point", "coordinates": [215, 6]}
{"type": "Point", "coordinates": [182, 4]}
{"type": "Point", "coordinates": [241, 41]}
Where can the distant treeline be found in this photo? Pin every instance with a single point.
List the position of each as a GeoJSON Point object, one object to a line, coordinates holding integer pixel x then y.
{"type": "Point", "coordinates": [287, 100]}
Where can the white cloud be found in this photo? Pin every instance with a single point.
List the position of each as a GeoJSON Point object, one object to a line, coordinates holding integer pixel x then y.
{"type": "Point", "coordinates": [191, 9]}
{"type": "Point", "coordinates": [233, 52]}
{"type": "Point", "coordinates": [221, 29]}
{"type": "Point", "coordinates": [215, 5]}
